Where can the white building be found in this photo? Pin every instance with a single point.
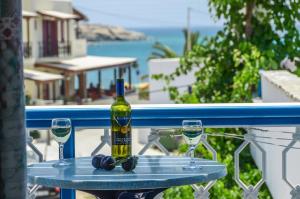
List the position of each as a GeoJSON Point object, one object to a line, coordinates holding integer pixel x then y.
{"type": "Point", "coordinates": [157, 95]}
{"type": "Point", "coordinates": [52, 45]}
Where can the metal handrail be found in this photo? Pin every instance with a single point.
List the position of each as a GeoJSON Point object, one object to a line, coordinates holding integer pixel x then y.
{"type": "Point", "coordinates": [61, 49]}
{"type": "Point", "coordinates": [171, 115]}
{"type": "Point", "coordinates": [168, 115]}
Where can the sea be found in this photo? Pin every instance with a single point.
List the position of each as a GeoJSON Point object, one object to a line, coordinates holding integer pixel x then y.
{"type": "Point", "coordinates": [172, 37]}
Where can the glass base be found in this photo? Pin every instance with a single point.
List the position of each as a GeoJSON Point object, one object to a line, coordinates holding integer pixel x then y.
{"type": "Point", "coordinates": [61, 163]}
{"type": "Point", "coordinates": [192, 167]}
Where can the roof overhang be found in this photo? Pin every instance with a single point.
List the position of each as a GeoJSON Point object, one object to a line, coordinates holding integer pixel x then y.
{"type": "Point", "coordinates": [28, 14]}
{"type": "Point", "coordinates": [80, 15]}
{"type": "Point", "coordinates": [57, 15]}
{"type": "Point", "coordinates": [41, 76]}
{"type": "Point", "coordinates": [88, 63]}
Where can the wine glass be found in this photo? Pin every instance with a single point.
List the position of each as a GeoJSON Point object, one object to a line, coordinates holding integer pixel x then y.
{"type": "Point", "coordinates": [192, 130]}
{"type": "Point", "coordinates": [61, 131]}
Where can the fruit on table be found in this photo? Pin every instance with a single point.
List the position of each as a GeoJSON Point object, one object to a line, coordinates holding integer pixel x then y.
{"type": "Point", "coordinates": [130, 164]}
{"type": "Point", "coordinates": [109, 163]}
{"type": "Point", "coordinates": [96, 161]}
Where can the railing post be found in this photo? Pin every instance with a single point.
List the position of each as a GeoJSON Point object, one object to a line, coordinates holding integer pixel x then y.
{"type": "Point", "coordinates": [153, 139]}
{"type": "Point", "coordinates": [250, 192]}
{"type": "Point", "coordinates": [295, 193]}
{"type": "Point", "coordinates": [202, 192]}
{"type": "Point", "coordinates": [31, 191]}
{"type": "Point", "coordinates": [105, 139]}
{"type": "Point", "coordinates": [29, 140]}
{"type": "Point", "coordinates": [69, 152]}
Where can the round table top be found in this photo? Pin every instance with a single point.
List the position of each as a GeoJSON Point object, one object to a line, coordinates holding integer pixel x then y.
{"type": "Point", "coordinates": [151, 172]}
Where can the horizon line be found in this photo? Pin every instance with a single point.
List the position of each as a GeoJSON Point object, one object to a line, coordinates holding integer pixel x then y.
{"type": "Point", "coordinates": [160, 27]}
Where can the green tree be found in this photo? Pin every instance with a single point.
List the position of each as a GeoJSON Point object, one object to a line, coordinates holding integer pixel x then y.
{"type": "Point", "coordinates": [256, 35]}
{"type": "Point", "coordinates": [194, 39]}
{"type": "Point", "coordinates": [164, 51]}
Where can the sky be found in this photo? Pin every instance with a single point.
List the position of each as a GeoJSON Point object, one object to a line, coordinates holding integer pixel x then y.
{"type": "Point", "coordinates": [146, 13]}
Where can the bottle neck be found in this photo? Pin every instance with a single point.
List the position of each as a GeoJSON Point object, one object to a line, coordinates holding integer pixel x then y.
{"type": "Point", "coordinates": [120, 98]}
{"type": "Point", "coordinates": [120, 89]}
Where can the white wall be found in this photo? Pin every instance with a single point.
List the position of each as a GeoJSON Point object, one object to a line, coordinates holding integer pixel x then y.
{"type": "Point", "coordinates": [30, 88]}
{"type": "Point", "coordinates": [79, 47]}
{"type": "Point", "coordinates": [273, 89]}
{"type": "Point", "coordinates": [166, 66]}
{"type": "Point", "coordinates": [278, 86]}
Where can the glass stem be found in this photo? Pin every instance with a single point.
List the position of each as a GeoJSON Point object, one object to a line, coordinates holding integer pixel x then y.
{"type": "Point", "coordinates": [192, 154]}
{"type": "Point", "coordinates": [61, 151]}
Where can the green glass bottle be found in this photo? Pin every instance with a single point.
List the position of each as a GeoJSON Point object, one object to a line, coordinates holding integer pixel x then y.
{"type": "Point", "coordinates": [120, 124]}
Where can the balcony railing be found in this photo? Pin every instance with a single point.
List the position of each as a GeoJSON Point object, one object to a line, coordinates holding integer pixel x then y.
{"type": "Point", "coordinates": [64, 49]}
{"type": "Point", "coordinates": [60, 49]}
{"type": "Point", "coordinates": [158, 117]}
{"type": "Point", "coordinates": [27, 50]}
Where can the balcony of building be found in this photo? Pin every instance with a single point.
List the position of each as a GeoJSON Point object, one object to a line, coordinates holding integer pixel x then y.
{"type": "Point", "coordinates": [270, 135]}
{"type": "Point", "coordinates": [270, 130]}
{"type": "Point", "coordinates": [57, 50]}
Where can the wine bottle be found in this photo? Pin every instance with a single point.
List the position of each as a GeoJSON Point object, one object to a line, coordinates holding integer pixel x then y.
{"type": "Point", "coordinates": [120, 124]}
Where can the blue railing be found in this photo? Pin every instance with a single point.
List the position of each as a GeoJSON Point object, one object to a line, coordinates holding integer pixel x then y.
{"type": "Point", "coordinates": [212, 115]}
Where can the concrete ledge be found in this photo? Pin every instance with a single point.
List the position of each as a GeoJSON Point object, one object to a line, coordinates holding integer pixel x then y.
{"type": "Point", "coordinates": [285, 81]}
{"type": "Point", "coordinates": [284, 87]}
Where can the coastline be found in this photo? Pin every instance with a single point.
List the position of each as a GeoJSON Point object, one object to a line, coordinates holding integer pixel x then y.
{"type": "Point", "coordinates": [140, 49]}
{"type": "Point", "coordinates": [99, 33]}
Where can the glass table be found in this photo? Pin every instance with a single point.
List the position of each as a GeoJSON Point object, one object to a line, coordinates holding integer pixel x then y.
{"type": "Point", "coordinates": [152, 175]}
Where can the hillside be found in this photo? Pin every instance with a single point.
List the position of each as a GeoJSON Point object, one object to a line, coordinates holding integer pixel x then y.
{"type": "Point", "coordinates": [97, 32]}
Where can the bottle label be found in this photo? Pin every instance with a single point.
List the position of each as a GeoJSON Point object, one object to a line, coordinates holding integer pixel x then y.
{"type": "Point", "coordinates": [122, 120]}
{"type": "Point", "coordinates": [123, 135]}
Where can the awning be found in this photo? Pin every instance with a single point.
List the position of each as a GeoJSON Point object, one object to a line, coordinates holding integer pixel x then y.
{"type": "Point", "coordinates": [28, 14]}
{"type": "Point", "coordinates": [80, 15]}
{"type": "Point", "coordinates": [41, 76]}
{"type": "Point", "coordinates": [88, 63]}
{"type": "Point", "coordinates": [57, 15]}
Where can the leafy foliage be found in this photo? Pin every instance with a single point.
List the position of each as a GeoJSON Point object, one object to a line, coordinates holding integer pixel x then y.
{"type": "Point", "coordinates": [162, 51]}
{"type": "Point", "coordinates": [194, 38]}
{"type": "Point", "coordinates": [256, 36]}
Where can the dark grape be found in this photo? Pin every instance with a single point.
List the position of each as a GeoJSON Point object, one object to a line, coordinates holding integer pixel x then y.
{"type": "Point", "coordinates": [130, 164]}
{"type": "Point", "coordinates": [96, 161]}
{"type": "Point", "coordinates": [108, 163]}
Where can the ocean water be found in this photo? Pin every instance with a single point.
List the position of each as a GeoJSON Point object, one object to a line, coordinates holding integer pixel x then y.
{"type": "Point", "coordinates": [173, 37]}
